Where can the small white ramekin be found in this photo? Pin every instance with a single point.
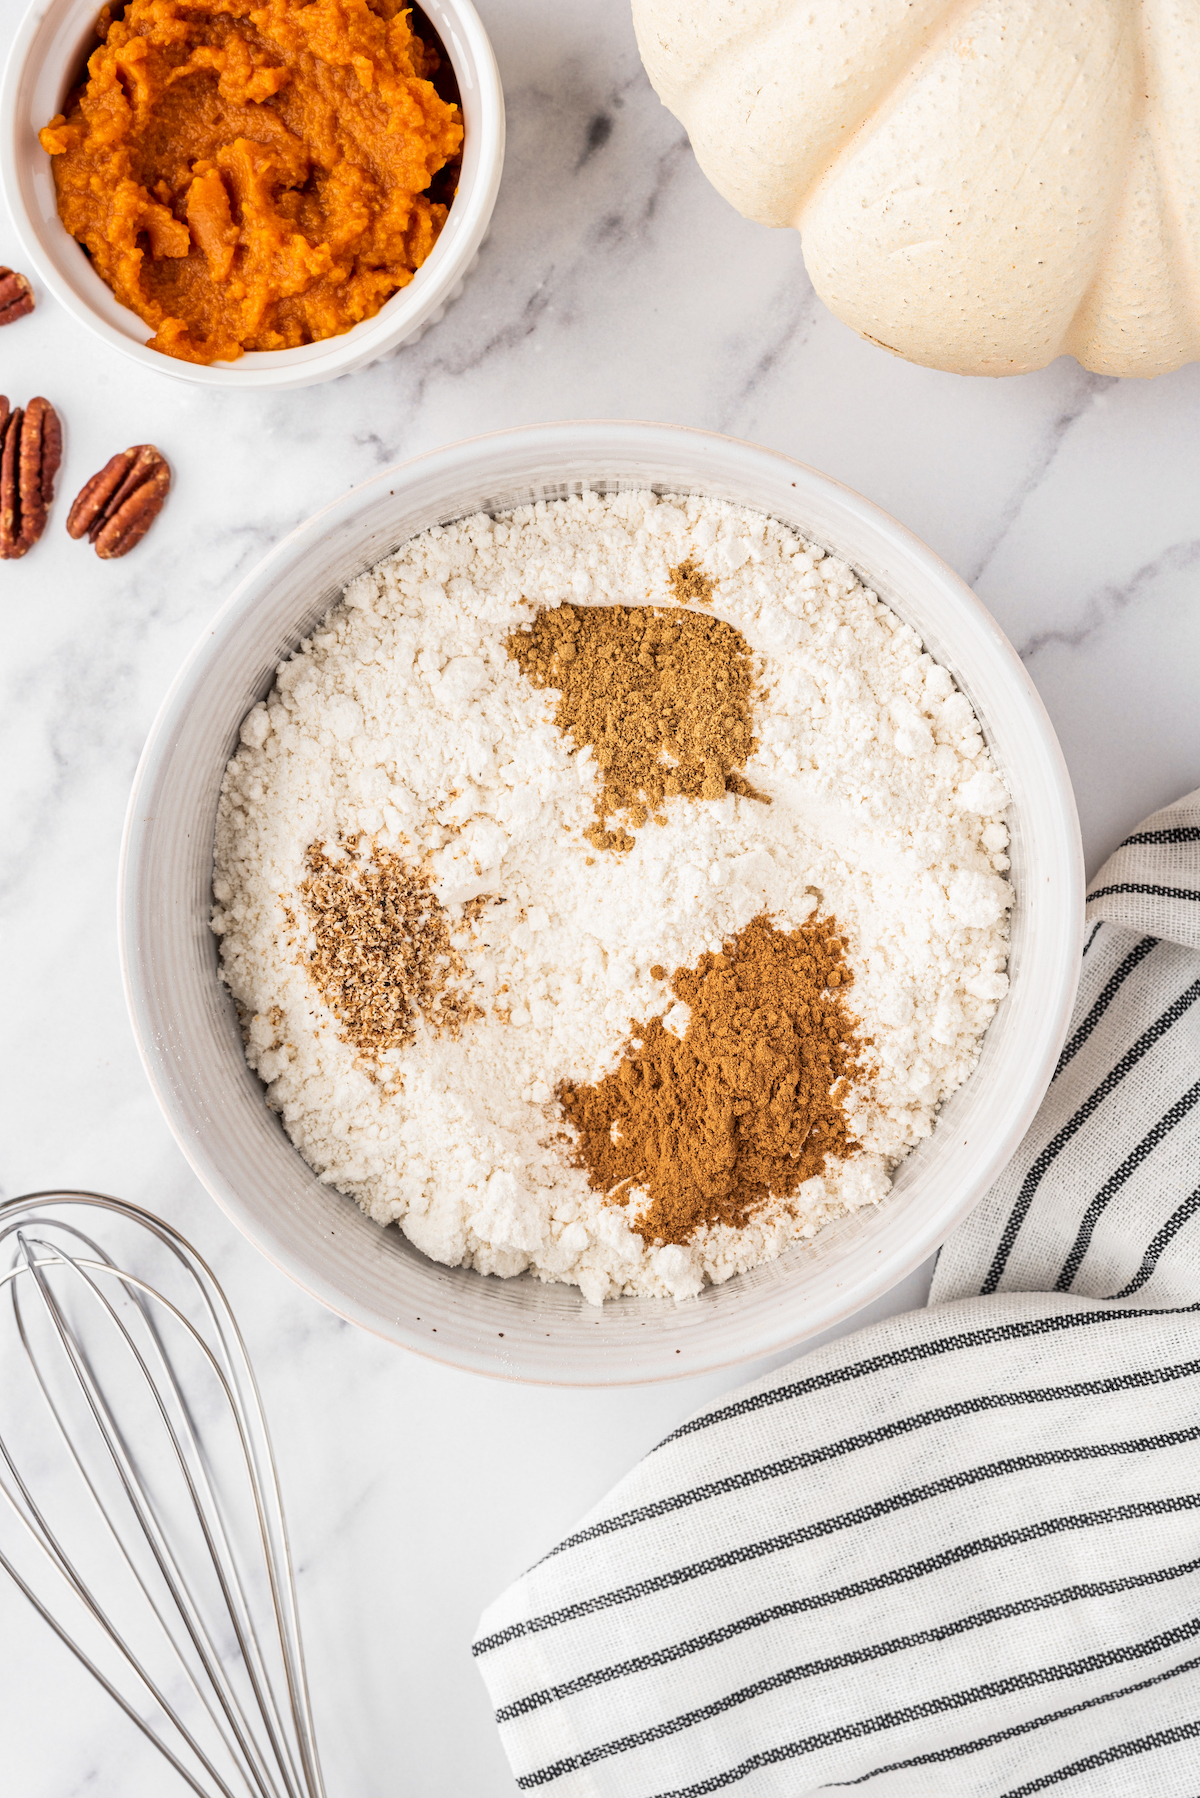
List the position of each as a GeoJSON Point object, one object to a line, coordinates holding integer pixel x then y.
{"type": "Point", "coordinates": [45, 62]}
{"type": "Point", "coordinates": [189, 1036]}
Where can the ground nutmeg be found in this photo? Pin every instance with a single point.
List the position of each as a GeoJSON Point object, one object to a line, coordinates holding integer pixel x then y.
{"type": "Point", "coordinates": [382, 952]}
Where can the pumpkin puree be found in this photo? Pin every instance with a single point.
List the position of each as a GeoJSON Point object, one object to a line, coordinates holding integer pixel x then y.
{"type": "Point", "coordinates": [253, 177]}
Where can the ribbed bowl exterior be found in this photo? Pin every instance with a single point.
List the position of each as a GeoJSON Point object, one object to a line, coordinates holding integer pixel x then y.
{"type": "Point", "coordinates": [184, 1020]}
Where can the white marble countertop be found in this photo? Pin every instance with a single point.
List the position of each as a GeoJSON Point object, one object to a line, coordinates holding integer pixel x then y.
{"type": "Point", "coordinates": [615, 283]}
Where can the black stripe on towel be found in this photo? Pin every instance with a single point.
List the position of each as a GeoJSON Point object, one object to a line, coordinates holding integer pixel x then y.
{"type": "Point", "coordinates": [1134, 959]}
{"type": "Point", "coordinates": [828, 1526]}
{"type": "Point", "coordinates": [1115, 1181]}
{"type": "Point", "coordinates": [1111, 1081]}
{"type": "Point", "coordinates": [753, 1402]}
{"type": "Point", "coordinates": [747, 1477]}
{"type": "Point", "coordinates": [1160, 1738]}
{"type": "Point", "coordinates": [851, 1657]}
{"type": "Point", "coordinates": [849, 1732]}
{"type": "Point", "coordinates": [1172, 1226]}
{"type": "Point", "coordinates": [958, 1749]}
{"type": "Point", "coordinates": [1182, 833]}
{"type": "Point", "coordinates": [1142, 886]}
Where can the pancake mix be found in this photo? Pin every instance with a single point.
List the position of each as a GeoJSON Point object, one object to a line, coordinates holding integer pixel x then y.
{"type": "Point", "coordinates": [612, 889]}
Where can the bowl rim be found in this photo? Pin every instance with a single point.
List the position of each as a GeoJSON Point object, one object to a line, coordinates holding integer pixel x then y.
{"type": "Point", "coordinates": [435, 284]}
{"type": "Point", "coordinates": [571, 436]}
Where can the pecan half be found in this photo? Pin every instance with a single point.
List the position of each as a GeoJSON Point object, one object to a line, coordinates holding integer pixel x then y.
{"type": "Point", "coordinates": [30, 452]}
{"type": "Point", "coordinates": [118, 505]}
{"type": "Point", "coordinates": [16, 296]}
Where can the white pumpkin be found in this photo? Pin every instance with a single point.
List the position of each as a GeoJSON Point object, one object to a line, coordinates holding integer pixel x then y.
{"type": "Point", "coordinates": [980, 187]}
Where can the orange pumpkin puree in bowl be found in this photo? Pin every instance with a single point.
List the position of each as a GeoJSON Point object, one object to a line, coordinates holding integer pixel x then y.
{"type": "Point", "coordinates": [254, 177]}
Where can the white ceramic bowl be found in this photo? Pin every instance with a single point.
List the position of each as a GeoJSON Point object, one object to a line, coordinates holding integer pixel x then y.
{"type": "Point", "coordinates": [184, 1021]}
{"type": "Point", "coordinates": [45, 62]}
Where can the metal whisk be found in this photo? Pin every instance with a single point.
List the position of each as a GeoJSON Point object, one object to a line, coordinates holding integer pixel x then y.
{"type": "Point", "coordinates": [143, 1518]}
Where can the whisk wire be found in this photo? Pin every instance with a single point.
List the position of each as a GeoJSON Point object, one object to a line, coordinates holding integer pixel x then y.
{"type": "Point", "coordinates": [52, 1260]}
{"type": "Point", "coordinates": [45, 1539]}
{"type": "Point", "coordinates": [77, 1583]}
{"type": "Point", "coordinates": [283, 1594]}
{"type": "Point", "coordinates": [135, 1491]}
{"type": "Point", "coordinates": [269, 1745]}
{"type": "Point", "coordinates": [102, 1680]}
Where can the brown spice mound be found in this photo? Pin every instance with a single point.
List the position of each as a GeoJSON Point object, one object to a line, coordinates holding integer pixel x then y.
{"type": "Point", "coordinates": [663, 698]}
{"type": "Point", "coordinates": [383, 952]}
{"type": "Point", "coordinates": [750, 1102]}
{"type": "Point", "coordinates": [690, 584]}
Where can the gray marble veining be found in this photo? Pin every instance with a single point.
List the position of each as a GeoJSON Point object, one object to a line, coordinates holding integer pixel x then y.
{"type": "Point", "coordinates": [615, 282]}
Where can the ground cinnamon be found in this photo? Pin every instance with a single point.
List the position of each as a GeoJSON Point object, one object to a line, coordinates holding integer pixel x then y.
{"type": "Point", "coordinates": [663, 698]}
{"type": "Point", "coordinates": [748, 1104]}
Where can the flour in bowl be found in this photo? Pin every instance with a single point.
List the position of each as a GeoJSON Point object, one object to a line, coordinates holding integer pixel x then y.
{"type": "Point", "coordinates": [437, 938]}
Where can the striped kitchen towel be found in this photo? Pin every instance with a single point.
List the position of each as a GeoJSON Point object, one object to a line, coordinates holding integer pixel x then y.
{"type": "Point", "coordinates": [958, 1552]}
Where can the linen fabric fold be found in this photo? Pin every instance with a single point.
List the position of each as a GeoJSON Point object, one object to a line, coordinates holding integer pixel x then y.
{"type": "Point", "coordinates": [1101, 1195]}
{"type": "Point", "coordinates": [958, 1552]}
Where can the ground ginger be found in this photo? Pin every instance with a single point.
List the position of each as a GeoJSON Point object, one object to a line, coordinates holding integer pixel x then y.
{"type": "Point", "coordinates": [663, 699]}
